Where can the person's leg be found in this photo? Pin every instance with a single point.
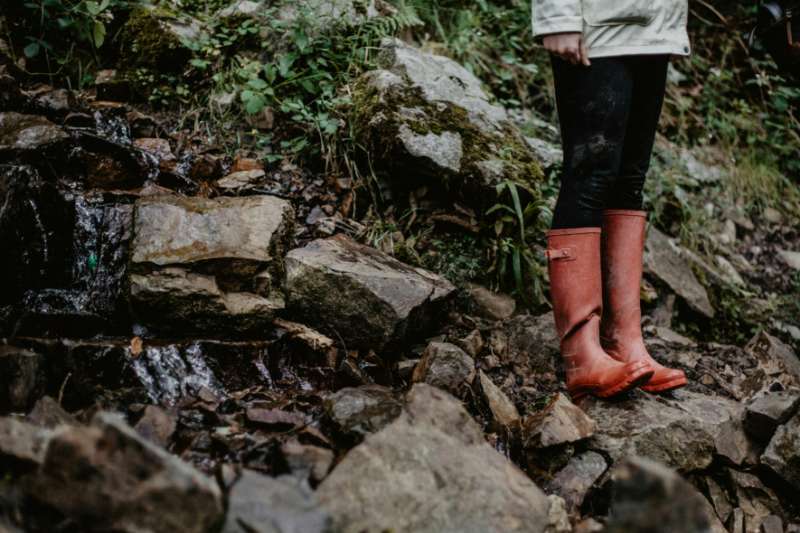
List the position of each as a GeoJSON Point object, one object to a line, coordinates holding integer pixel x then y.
{"type": "Point", "coordinates": [649, 74]}
{"type": "Point", "coordinates": [624, 231]}
{"type": "Point", "coordinates": [592, 104]}
{"type": "Point", "coordinates": [593, 108]}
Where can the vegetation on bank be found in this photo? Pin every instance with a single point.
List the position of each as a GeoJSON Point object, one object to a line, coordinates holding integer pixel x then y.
{"type": "Point", "coordinates": [283, 82]}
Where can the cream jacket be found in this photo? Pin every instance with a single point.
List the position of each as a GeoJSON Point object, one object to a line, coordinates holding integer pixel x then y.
{"type": "Point", "coordinates": [618, 27]}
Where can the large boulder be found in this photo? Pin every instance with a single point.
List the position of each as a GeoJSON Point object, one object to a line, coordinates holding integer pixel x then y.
{"type": "Point", "coordinates": [155, 38]}
{"type": "Point", "coordinates": [431, 470]}
{"type": "Point", "coordinates": [107, 476]}
{"type": "Point", "coordinates": [261, 504]}
{"type": "Point", "coordinates": [684, 433]}
{"type": "Point", "coordinates": [427, 121]}
{"type": "Point", "coordinates": [209, 265]}
{"type": "Point", "coordinates": [361, 295]}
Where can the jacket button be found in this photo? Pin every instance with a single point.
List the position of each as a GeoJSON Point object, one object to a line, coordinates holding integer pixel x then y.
{"type": "Point", "coordinates": [686, 49]}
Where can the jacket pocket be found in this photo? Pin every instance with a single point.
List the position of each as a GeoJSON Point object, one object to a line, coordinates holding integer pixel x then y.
{"type": "Point", "coordinates": [619, 12]}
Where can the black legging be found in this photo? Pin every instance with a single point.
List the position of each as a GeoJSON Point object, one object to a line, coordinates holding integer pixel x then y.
{"type": "Point", "coordinates": [608, 113]}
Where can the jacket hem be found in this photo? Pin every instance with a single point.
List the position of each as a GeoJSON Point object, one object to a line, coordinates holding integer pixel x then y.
{"type": "Point", "coordinates": [645, 49]}
{"type": "Point", "coordinates": [557, 25]}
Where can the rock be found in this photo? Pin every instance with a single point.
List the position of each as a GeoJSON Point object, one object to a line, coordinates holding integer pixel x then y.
{"type": "Point", "coordinates": [560, 422]}
{"type": "Point", "coordinates": [558, 519]}
{"type": "Point", "coordinates": [428, 122]}
{"type": "Point", "coordinates": [108, 476]}
{"type": "Point", "coordinates": [154, 39]}
{"type": "Point", "coordinates": [782, 455]}
{"type": "Point", "coordinates": [548, 153]}
{"type": "Point", "coordinates": [22, 378]}
{"type": "Point", "coordinates": [574, 480]}
{"type": "Point", "coordinates": [362, 296]}
{"type": "Point", "coordinates": [718, 498]}
{"type": "Point", "coordinates": [358, 411]}
{"type": "Point", "coordinates": [683, 433]}
{"type": "Point", "coordinates": [771, 524]}
{"type": "Point", "coordinates": [490, 304]}
{"type": "Point", "coordinates": [503, 410]}
{"type": "Point", "coordinates": [22, 444]}
{"type": "Point", "coordinates": [769, 410]}
{"type": "Point", "coordinates": [755, 500]}
{"type": "Point", "coordinates": [699, 170]}
{"type": "Point", "coordinates": [27, 134]}
{"type": "Point", "coordinates": [323, 14]}
{"type": "Point", "coordinates": [156, 425]}
{"type": "Point", "coordinates": [736, 521]}
{"type": "Point", "coordinates": [649, 497]}
{"type": "Point", "coordinates": [200, 265]}
{"type": "Point", "coordinates": [242, 180]}
{"type": "Point", "coordinates": [307, 461]}
{"type": "Point", "coordinates": [196, 303]}
{"type": "Point", "coordinates": [111, 86]}
{"type": "Point", "coordinates": [472, 343]}
{"type": "Point", "coordinates": [792, 259]}
{"type": "Point", "coordinates": [775, 356]}
{"type": "Point", "coordinates": [446, 366]}
{"type": "Point", "coordinates": [772, 215]}
{"type": "Point", "coordinates": [47, 413]}
{"type": "Point", "coordinates": [239, 8]}
{"type": "Point", "coordinates": [664, 260]}
{"type": "Point", "coordinates": [431, 470]}
{"type": "Point", "coordinates": [261, 504]}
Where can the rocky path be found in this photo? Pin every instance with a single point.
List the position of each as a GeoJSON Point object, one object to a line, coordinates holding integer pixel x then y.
{"type": "Point", "coordinates": [193, 343]}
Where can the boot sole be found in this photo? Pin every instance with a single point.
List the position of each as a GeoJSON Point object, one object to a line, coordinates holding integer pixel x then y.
{"type": "Point", "coordinates": [631, 381]}
{"type": "Point", "coordinates": [666, 386]}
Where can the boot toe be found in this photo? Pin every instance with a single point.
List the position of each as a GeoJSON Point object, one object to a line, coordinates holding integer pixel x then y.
{"type": "Point", "coordinates": [665, 379]}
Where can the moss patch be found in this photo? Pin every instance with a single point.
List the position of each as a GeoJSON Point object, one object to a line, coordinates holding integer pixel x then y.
{"type": "Point", "coordinates": [147, 43]}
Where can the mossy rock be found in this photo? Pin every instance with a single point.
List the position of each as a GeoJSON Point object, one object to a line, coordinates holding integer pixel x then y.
{"type": "Point", "coordinates": [462, 146]}
{"type": "Point", "coordinates": [153, 39]}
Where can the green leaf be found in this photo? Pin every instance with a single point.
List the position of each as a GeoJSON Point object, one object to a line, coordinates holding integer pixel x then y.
{"type": "Point", "coordinates": [257, 84]}
{"type": "Point", "coordinates": [32, 50]}
{"type": "Point", "coordinates": [99, 33]}
{"type": "Point", "coordinates": [255, 104]}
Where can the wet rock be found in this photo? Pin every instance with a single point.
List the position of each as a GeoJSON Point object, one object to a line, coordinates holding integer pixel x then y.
{"type": "Point", "coordinates": [782, 455]}
{"type": "Point", "coordinates": [47, 413]}
{"type": "Point", "coordinates": [769, 410]}
{"type": "Point", "coordinates": [649, 497]}
{"type": "Point", "coordinates": [427, 113]}
{"type": "Point", "coordinates": [358, 411]}
{"type": "Point", "coordinates": [261, 504]}
{"type": "Point", "coordinates": [431, 470]}
{"type": "Point", "coordinates": [446, 366]}
{"type": "Point", "coordinates": [682, 433]}
{"type": "Point", "coordinates": [22, 378]}
{"type": "Point", "coordinates": [574, 480]}
{"type": "Point", "coordinates": [664, 260]}
{"type": "Point", "coordinates": [361, 295]}
{"type": "Point", "coordinates": [22, 445]}
{"type": "Point", "coordinates": [197, 263]}
{"type": "Point", "coordinates": [156, 425]}
{"type": "Point", "coordinates": [107, 476]}
{"type": "Point", "coordinates": [503, 409]}
{"type": "Point", "coordinates": [490, 304]}
{"type": "Point", "coordinates": [21, 134]}
{"type": "Point", "coordinates": [560, 422]}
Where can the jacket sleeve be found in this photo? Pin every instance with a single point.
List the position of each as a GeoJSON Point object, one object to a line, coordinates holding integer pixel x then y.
{"type": "Point", "coordinates": [556, 16]}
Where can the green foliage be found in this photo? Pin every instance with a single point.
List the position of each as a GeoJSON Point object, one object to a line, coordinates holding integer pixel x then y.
{"type": "Point", "coordinates": [306, 68]}
{"type": "Point", "coordinates": [515, 263]}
